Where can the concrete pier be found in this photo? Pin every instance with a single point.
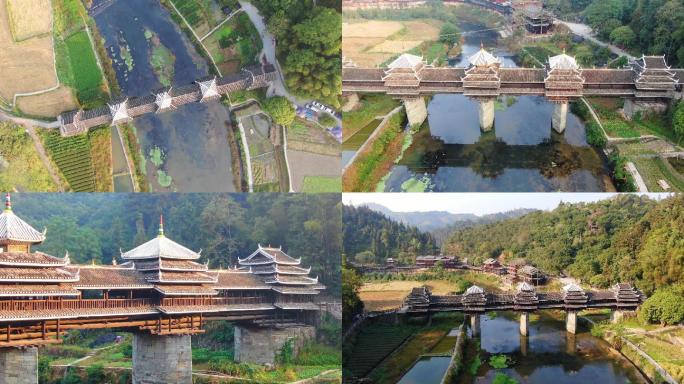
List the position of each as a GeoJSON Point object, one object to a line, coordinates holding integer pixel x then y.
{"type": "Point", "coordinates": [560, 117]}
{"type": "Point", "coordinates": [262, 345]}
{"type": "Point", "coordinates": [475, 324]}
{"type": "Point", "coordinates": [416, 110]}
{"type": "Point", "coordinates": [19, 365]}
{"type": "Point", "coordinates": [571, 322]}
{"type": "Point", "coordinates": [617, 316]}
{"type": "Point", "coordinates": [524, 323]}
{"type": "Point", "coordinates": [487, 114]}
{"type": "Point", "coordinates": [161, 359]}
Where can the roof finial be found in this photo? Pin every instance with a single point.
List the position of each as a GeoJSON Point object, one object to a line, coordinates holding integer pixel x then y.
{"type": "Point", "coordinates": [8, 202]}
{"type": "Point", "coordinates": [481, 45]}
{"type": "Point", "coordinates": [564, 50]}
{"type": "Point", "coordinates": [161, 225]}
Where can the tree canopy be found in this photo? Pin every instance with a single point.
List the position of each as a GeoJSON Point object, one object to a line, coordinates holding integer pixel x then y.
{"type": "Point", "coordinates": [280, 109]}
{"type": "Point", "coordinates": [371, 237]}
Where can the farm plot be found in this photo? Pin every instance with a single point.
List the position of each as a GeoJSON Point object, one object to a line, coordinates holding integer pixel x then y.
{"type": "Point", "coordinates": [27, 66]}
{"type": "Point", "coordinates": [373, 42]}
{"type": "Point", "coordinates": [261, 150]}
{"type": "Point", "coordinates": [29, 18]}
{"type": "Point", "coordinates": [202, 15]}
{"type": "Point", "coordinates": [73, 158]}
{"type": "Point", "coordinates": [373, 344]}
{"type": "Point", "coordinates": [235, 45]}
{"type": "Point", "coordinates": [84, 73]}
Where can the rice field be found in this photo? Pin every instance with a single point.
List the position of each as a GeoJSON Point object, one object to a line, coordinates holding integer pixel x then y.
{"type": "Point", "coordinates": [29, 18]}
{"type": "Point", "coordinates": [87, 77]}
{"type": "Point", "coordinates": [373, 344]}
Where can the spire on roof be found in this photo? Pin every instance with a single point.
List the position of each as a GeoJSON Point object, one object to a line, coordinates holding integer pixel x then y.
{"type": "Point", "coordinates": [161, 225]}
{"type": "Point", "coordinates": [8, 202]}
{"type": "Point", "coordinates": [483, 58]}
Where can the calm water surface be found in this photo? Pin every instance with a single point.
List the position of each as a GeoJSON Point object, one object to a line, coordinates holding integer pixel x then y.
{"type": "Point", "coordinates": [428, 370]}
{"type": "Point", "coordinates": [550, 354]}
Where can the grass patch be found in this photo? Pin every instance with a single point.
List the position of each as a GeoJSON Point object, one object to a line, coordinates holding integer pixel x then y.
{"type": "Point", "coordinates": [371, 106]}
{"type": "Point", "coordinates": [322, 184]}
{"type": "Point", "coordinates": [499, 361]}
{"type": "Point", "coordinates": [101, 153]}
{"type": "Point", "coordinates": [620, 128]}
{"type": "Point", "coordinates": [20, 166]}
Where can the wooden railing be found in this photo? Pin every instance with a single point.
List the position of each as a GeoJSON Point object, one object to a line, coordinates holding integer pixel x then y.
{"type": "Point", "coordinates": [42, 305]}
{"type": "Point", "coordinates": [190, 301]}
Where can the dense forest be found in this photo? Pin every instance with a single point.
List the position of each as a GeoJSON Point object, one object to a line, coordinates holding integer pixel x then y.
{"type": "Point", "coordinates": [94, 227]}
{"type": "Point", "coordinates": [309, 43]}
{"type": "Point", "coordinates": [625, 238]}
{"type": "Point", "coordinates": [652, 27]}
{"type": "Point", "coordinates": [370, 237]}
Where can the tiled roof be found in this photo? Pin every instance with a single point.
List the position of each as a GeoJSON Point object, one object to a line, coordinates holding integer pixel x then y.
{"type": "Point", "coordinates": [522, 75]}
{"type": "Point", "coordinates": [183, 277]}
{"type": "Point", "coordinates": [109, 277]}
{"type": "Point", "coordinates": [275, 254]}
{"type": "Point", "coordinates": [8, 290]}
{"type": "Point", "coordinates": [31, 259]}
{"type": "Point", "coordinates": [238, 280]}
{"type": "Point", "coordinates": [171, 290]}
{"type": "Point", "coordinates": [406, 60]}
{"type": "Point", "coordinates": [37, 274]}
{"type": "Point", "coordinates": [362, 74]}
{"type": "Point", "coordinates": [160, 246]}
{"type": "Point", "coordinates": [170, 265]}
{"type": "Point", "coordinates": [302, 306]}
{"type": "Point", "coordinates": [294, 280]}
{"type": "Point", "coordinates": [483, 58]}
{"type": "Point", "coordinates": [442, 74]}
{"type": "Point", "coordinates": [14, 228]}
{"type": "Point", "coordinates": [295, 290]}
{"type": "Point", "coordinates": [608, 76]}
{"type": "Point", "coordinates": [563, 61]}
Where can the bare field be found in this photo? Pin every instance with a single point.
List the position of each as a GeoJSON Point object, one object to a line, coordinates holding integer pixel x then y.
{"type": "Point", "coordinates": [304, 164]}
{"type": "Point", "coordinates": [49, 104]}
{"type": "Point", "coordinates": [378, 296]}
{"type": "Point", "coordinates": [372, 42]}
{"type": "Point", "coordinates": [27, 66]}
{"type": "Point", "coordinates": [29, 18]}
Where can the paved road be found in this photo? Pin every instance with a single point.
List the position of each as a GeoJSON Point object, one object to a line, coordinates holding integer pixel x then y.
{"type": "Point", "coordinates": [586, 32]}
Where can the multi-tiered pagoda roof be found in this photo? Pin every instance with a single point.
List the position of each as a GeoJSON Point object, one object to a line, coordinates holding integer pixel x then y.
{"type": "Point", "coordinates": [171, 267]}
{"type": "Point", "coordinates": [564, 79]}
{"type": "Point", "coordinates": [282, 273]}
{"type": "Point", "coordinates": [482, 78]}
{"type": "Point", "coordinates": [27, 273]}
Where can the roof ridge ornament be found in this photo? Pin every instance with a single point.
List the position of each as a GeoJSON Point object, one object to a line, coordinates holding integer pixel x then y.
{"type": "Point", "coordinates": [8, 202]}
{"type": "Point", "coordinates": [161, 225]}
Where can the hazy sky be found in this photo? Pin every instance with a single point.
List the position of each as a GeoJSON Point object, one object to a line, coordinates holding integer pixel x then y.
{"type": "Point", "coordinates": [477, 203]}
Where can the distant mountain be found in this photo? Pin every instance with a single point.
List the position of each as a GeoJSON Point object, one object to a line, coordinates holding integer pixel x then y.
{"type": "Point", "coordinates": [438, 222]}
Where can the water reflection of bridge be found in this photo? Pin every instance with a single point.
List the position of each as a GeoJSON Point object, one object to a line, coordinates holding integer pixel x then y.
{"type": "Point", "coordinates": [572, 299]}
{"type": "Point", "coordinates": [490, 156]}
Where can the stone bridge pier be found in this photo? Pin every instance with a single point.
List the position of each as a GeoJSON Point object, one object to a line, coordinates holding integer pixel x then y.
{"type": "Point", "coordinates": [162, 359]}
{"type": "Point", "coordinates": [524, 323]}
{"type": "Point", "coordinates": [262, 345]}
{"type": "Point", "coordinates": [416, 110]}
{"type": "Point", "coordinates": [487, 111]}
{"type": "Point", "coordinates": [559, 119]}
{"type": "Point", "coordinates": [571, 322]}
{"type": "Point", "coordinates": [475, 324]}
{"type": "Point", "coordinates": [19, 365]}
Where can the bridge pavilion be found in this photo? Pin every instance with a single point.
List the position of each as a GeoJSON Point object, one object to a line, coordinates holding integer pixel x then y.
{"type": "Point", "coordinates": [160, 292]}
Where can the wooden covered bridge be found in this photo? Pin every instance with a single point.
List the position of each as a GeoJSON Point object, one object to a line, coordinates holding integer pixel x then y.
{"type": "Point", "coordinates": [647, 81]}
{"type": "Point", "coordinates": [123, 110]}
{"type": "Point", "coordinates": [572, 299]}
{"type": "Point", "coordinates": [159, 291]}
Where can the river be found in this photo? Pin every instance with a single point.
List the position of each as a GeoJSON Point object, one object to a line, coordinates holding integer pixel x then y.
{"type": "Point", "coordinates": [522, 153]}
{"type": "Point", "coordinates": [548, 355]}
{"type": "Point", "coordinates": [185, 149]}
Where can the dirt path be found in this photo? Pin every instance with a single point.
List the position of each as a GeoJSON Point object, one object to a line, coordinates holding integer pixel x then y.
{"type": "Point", "coordinates": [586, 32]}
{"type": "Point", "coordinates": [43, 156]}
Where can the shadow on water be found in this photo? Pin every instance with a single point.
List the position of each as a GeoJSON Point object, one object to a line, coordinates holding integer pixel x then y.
{"type": "Point", "coordinates": [548, 355]}
{"type": "Point", "coordinates": [193, 139]}
{"type": "Point", "coordinates": [521, 153]}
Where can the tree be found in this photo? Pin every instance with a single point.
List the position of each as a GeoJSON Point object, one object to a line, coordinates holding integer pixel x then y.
{"type": "Point", "coordinates": [678, 119]}
{"type": "Point", "coordinates": [351, 303]}
{"type": "Point", "coordinates": [449, 34]}
{"type": "Point", "coordinates": [327, 121]}
{"type": "Point", "coordinates": [623, 36]}
{"type": "Point", "coordinates": [665, 306]}
{"type": "Point", "coordinates": [280, 109]}
{"type": "Point", "coordinates": [365, 257]}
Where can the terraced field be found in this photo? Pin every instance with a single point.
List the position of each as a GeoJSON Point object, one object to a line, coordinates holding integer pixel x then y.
{"type": "Point", "coordinates": [72, 156]}
{"type": "Point", "coordinates": [374, 343]}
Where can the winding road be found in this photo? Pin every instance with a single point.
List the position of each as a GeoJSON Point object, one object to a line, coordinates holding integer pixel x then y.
{"type": "Point", "coordinates": [586, 32]}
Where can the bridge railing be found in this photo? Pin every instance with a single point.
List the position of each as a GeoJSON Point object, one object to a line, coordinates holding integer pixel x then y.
{"type": "Point", "coordinates": [191, 301]}
{"type": "Point", "coordinates": [43, 305]}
